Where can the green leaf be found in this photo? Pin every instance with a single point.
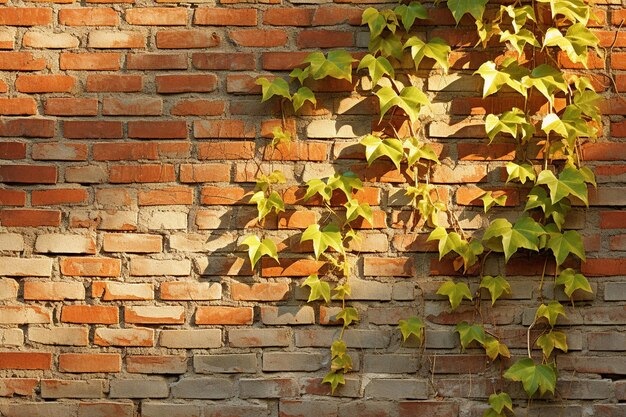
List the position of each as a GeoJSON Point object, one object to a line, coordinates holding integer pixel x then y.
{"type": "Point", "coordinates": [452, 241]}
{"type": "Point", "coordinates": [258, 249]}
{"type": "Point", "coordinates": [455, 292]}
{"type": "Point", "coordinates": [570, 183]}
{"type": "Point", "coordinates": [377, 66]}
{"type": "Point", "coordinates": [496, 286]}
{"type": "Point", "coordinates": [417, 150]}
{"type": "Point", "coordinates": [411, 99]}
{"type": "Point", "coordinates": [550, 312]}
{"type": "Point", "coordinates": [513, 122]}
{"type": "Point", "coordinates": [436, 49]}
{"type": "Point", "coordinates": [265, 204]}
{"type": "Point", "coordinates": [502, 236]}
{"type": "Point", "coordinates": [317, 186]}
{"type": "Point", "coordinates": [563, 244]}
{"type": "Point", "coordinates": [279, 136]}
{"type": "Point", "coordinates": [408, 14]}
{"type": "Point", "coordinates": [576, 42]}
{"type": "Point", "coordinates": [499, 402]}
{"type": "Point", "coordinates": [348, 315]}
{"type": "Point", "coordinates": [346, 182]}
{"type": "Point", "coordinates": [533, 377]}
{"type": "Point", "coordinates": [343, 363]}
{"type": "Point", "coordinates": [511, 74]}
{"type": "Point", "coordinates": [376, 147]}
{"type": "Point", "coordinates": [375, 20]}
{"type": "Point", "coordinates": [547, 80]}
{"type": "Point", "coordinates": [319, 289]}
{"type": "Point", "coordinates": [334, 379]}
{"type": "Point", "coordinates": [549, 341]}
{"type": "Point", "coordinates": [587, 101]}
{"type": "Point", "coordinates": [588, 175]}
{"type": "Point", "coordinates": [354, 210]}
{"type": "Point", "coordinates": [459, 8]}
{"type": "Point", "coordinates": [469, 333]}
{"type": "Point", "coordinates": [521, 173]}
{"type": "Point", "coordinates": [518, 40]}
{"type": "Point", "coordinates": [338, 64]}
{"type": "Point", "coordinates": [276, 87]}
{"type": "Point", "coordinates": [573, 281]}
{"type": "Point", "coordinates": [390, 45]}
{"type": "Point", "coordinates": [300, 74]}
{"type": "Point", "coordinates": [519, 15]}
{"type": "Point", "coordinates": [493, 348]}
{"type": "Point", "coordinates": [301, 96]}
{"type": "Point", "coordinates": [489, 200]}
{"type": "Point", "coordinates": [577, 11]}
{"type": "Point", "coordinates": [342, 291]}
{"type": "Point", "coordinates": [328, 236]}
{"type": "Point", "coordinates": [412, 326]}
{"type": "Point", "coordinates": [338, 348]}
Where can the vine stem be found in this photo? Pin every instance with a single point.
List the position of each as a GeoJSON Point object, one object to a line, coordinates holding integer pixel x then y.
{"type": "Point", "coordinates": [528, 337]}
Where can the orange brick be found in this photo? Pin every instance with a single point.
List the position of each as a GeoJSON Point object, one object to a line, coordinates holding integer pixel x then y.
{"type": "Point", "coordinates": [224, 315]}
{"type": "Point", "coordinates": [90, 314]}
{"type": "Point", "coordinates": [86, 362]}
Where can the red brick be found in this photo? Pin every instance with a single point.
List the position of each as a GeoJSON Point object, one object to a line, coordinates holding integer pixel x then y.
{"type": "Point", "coordinates": [290, 267]}
{"type": "Point", "coordinates": [225, 17]}
{"type": "Point", "coordinates": [297, 151]}
{"type": "Point", "coordinates": [193, 83]}
{"type": "Point", "coordinates": [288, 16]}
{"type": "Point", "coordinates": [25, 360]}
{"type": "Point", "coordinates": [114, 83]}
{"type": "Point", "coordinates": [613, 220]}
{"type": "Point", "coordinates": [618, 17]}
{"type": "Point", "coordinates": [223, 61]}
{"type": "Point", "coordinates": [25, 16]}
{"type": "Point", "coordinates": [101, 409]}
{"type": "Point", "coordinates": [282, 61]}
{"type": "Point", "coordinates": [324, 39]}
{"type": "Point", "coordinates": [71, 106]}
{"type": "Point", "coordinates": [226, 150]}
{"type": "Point", "coordinates": [136, 106]}
{"type": "Point", "coordinates": [224, 315]}
{"type": "Point", "coordinates": [59, 196]}
{"type": "Point", "coordinates": [471, 196]}
{"type": "Point", "coordinates": [258, 37]}
{"type": "Point", "coordinates": [213, 195]}
{"type": "Point", "coordinates": [12, 198]}
{"type": "Point", "coordinates": [186, 39]}
{"type": "Point", "coordinates": [30, 128]}
{"type": "Point", "coordinates": [107, 39]}
{"type": "Point", "coordinates": [18, 106]}
{"type": "Point", "coordinates": [270, 291]}
{"type": "Point", "coordinates": [86, 362]}
{"type": "Point", "coordinates": [198, 107]}
{"type": "Point", "coordinates": [91, 61]}
{"type": "Point", "coordinates": [56, 83]}
{"type": "Point", "coordinates": [191, 173]}
{"type": "Point", "coordinates": [484, 152]}
{"type": "Point", "coordinates": [125, 174]}
{"type": "Point", "coordinates": [55, 151]}
{"type": "Point", "coordinates": [172, 129]}
{"type": "Point", "coordinates": [604, 267]}
{"type": "Point", "coordinates": [12, 150]}
{"type": "Point", "coordinates": [157, 16]}
{"type": "Point", "coordinates": [89, 16]}
{"type": "Point", "coordinates": [21, 61]}
{"type": "Point", "coordinates": [332, 15]}
{"type": "Point", "coordinates": [151, 364]}
{"type": "Point", "coordinates": [90, 314]}
{"type": "Point", "coordinates": [78, 129]}
{"type": "Point", "coordinates": [223, 129]}
{"type": "Point", "coordinates": [156, 61]}
{"type": "Point", "coordinates": [30, 218]}
{"type": "Point", "coordinates": [154, 315]}
{"type": "Point", "coordinates": [90, 267]}
{"type": "Point", "coordinates": [18, 386]}
{"type": "Point", "coordinates": [28, 174]}
{"type": "Point", "coordinates": [165, 196]}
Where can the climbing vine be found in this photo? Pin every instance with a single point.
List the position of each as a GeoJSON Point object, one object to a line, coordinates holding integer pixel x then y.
{"type": "Point", "coordinates": [549, 165]}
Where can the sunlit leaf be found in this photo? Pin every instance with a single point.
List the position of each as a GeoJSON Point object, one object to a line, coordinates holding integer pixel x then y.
{"type": "Point", "coordinates": [408, 13]}
{"type": "Point", "coordinates": [411, 100]}
{"type": "Point", "coordinates": [496, 286]}
{"type": "Point", "coordinates": [337, 64]}
{"type": "Point", "coordinates": [377, 67]}
{"type": "Point", "coordinates": [494, 348]}
{"type": "Point", "coordinates": [533, 377]}
{"type": "Point", "coordinates": [411, 326]}
{"type": "Point", "coordinates": [521, 173]}
{"type": "Point", "coordinates": [258, 249]}
{"type": "Point", "coordinates": [376, 147]}
{"type": "Point", "coordinates": [503, 236]}
{"type": "Point", "coordinates": [455, 292]}
{"type": "Point", "coordinates": [436, 49]}
{"type": "Point", "coordinates": [459, 8]}
{"type": "Point", "coordinates": [573, 281]}
{"type": "Point", "coordinates": [334, 379]}
{"type": "Point", "coordinates": [301, 96]}
{"type": "Point", "coordinates": [551, 340]}
{"type": "Point", "coordinates": [564, 244]}
{"type": "Point", "coordinates": [489, 200]}
{"type": "Point", "coordinates": [469, 333]}
{"type": "Point", "coordinates": [569, 183]}
{"type": "Point", "coordinates": [348, 315]}
{"type": "Point", "coordinates": [320, 290]}
{"type": "Point", "coordinates": [551, 312]}
{"type": "Point", "coordinates": [328, 236]}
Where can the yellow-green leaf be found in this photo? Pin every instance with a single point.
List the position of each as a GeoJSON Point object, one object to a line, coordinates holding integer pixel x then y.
{"type": "Point", "coordinates": [455, 292]}
{"type": "Point", "coordinates": [551, 312]}
{"type": "Point", "coordinates": [376, 147]}
{"type": "Point", "coordinates": [551, 340]}
{"type": "Point", "coordinates": [258, 249]}
{"type": "Point", "coordinates": [496, 286]}
{"type": "Point", "coordinates": [319, 289]}
{"type": "Point", "coordinates": [533, 377]}
{"type": "Point", "coordinates": [276, 87]}
{"type": "Point", "coordinates": [411, 326]}
{"type": "Point", "coordinates": [573, 281]}
{"type": "Point", "coordinates": [328, 236]}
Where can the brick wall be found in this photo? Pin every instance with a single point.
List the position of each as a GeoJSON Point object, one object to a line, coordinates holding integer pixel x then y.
{"type": "Point", "coordinates": [131, 134]}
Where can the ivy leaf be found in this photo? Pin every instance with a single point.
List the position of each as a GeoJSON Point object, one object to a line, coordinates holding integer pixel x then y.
{"type": "Point", "coordinates": [301, 96]}
{"type": "Point", "coordinates": [588, 175]}
{"type": "Point", "coordinates": [376, 147]}
{"type": "Point", "coordinates": [519, 15]}
{"type": "Point", "coordinates": [547, 80]}
{"type": "Point", "coordinates": [573, 281]}
{"type": "Point", "coordinates": [550, 312]}
{"type": "Point", "coordinates": [447, 241]}
{"type": "Point", "coordinates": [348, 315]}
{"type": "Point", "coordinates": [411, 99]}
{"type": "Point", "coordinates": [496, 286]}
{"type": "Point", "coordinates": [354, 210]}
{"type": "Point", "coordinates": [576, 11]}
{"type": "Point", "coordinates": [408, 13]}
{"type": "Point", "coordinates": [513, 122]}
{"type": "Point", "coordinates": [341, 291]}
{"type": "Point", "coordinates": [317, 186]}
{"type": "Point", "coordinates": [279, 136]}
{"type": "Point", "coordinates": [300, 74]}
{"type": "Point", "coordinates": [377, 66]}
{"type": "Point", "coordinates": [390, 45]}
{"type": "Point", "coordinates": [329, 236]}
{"type": "Point", "coordinates": [375, 20]}
{"type": "Point", "coordinates": [489, 200]}
{"type": "Point", "coordinates": [334, 379]}
{"type": "Point", "coordinates": [455, 292]}
{"type": "Point", "coordinates": [469, 333]}
{"type": "Point", "coordinates": [519, 39]}
{"type": "Point", "coordinates": [562, 244]}
{"type": "Point", "coordinates": [511, 75]}
{"type": "Point", "coordinates": [343, 362]}
{"type": "Point", "coordinates": [538, 198]}
{"type": "Point", "coordinates": [503, 236]}
{"type": "Point", "coordinates": [587, 102]}
{"type": "Point", "coordinates": [319, 289]}
{"type": "Point", "coordinates": [417, 150]}
{"type": "Point", "coordinates": [493, 348]}
{"type": "Point", "coordinates": [533, 377]}
{"type": "Point", "coordinates": [258, 249]}
{"type": "Point", "coordinates": [521, 173]}
{"type": "Point", "coordinates": [459, 8]}
{"type": "Point", "coordinates": [276, 87]}
{"type": "Point", "coordinates": [411, 326]}
{"type": "Point", "coordinates": [338, 348]}
{"type": "Point", "coordinates": [486, 31]}
{"type": "Point", "coordinates": [570, 182]}
{"type": "Point", "coordinates": [338, 64]}
{"type": "Point", "coordinates": [436, 49]}
{"type": "Point", "coordinates": [500, 401]}
{"type": "Point", "coordinates": [549, 341]}
{"type": "Point", "coordinates": [346, 182]}
{"type": "Point", "coordinates": [576, 42]}
{"type": "Point", "coordinates": [265, 205]}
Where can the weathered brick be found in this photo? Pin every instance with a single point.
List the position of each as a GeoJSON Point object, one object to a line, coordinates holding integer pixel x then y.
{"type": "Point", "coordinates": [151, 364]}
{"type": "Point", "coordinates": [11, 337]}
{"type": "Point", "coordinates": [292, 361]}
{"type": "Point", "coordinates": [138, 388]}
{"type": "Point", "coordinates": [86, 362]}
{"type": "Point", "coordinates": [53, 290]}
{"type": "Point", "coordinates": [224, 315]}
{"type": "Point", "coordinates": [59, 388]}
{"type": "Point", "coordinates": [285, 315]}
{"type": "Point", "coordinates": [69, 336]}
{"type": "Point", "coordinates": [154, 314]}
{"type": "Point", "coordinates": [225, 363]}
{"type": "Point", "coordinates": [259, 337]}
{"type": "Point", "coordinates": [25, 267]}
{"type": "Point", "coordinates": [10, 387]}
{"type": "Point", "coordinates": [174, 290]}
{"type": "Point", "coordinates": [191, 339]}
{"type": "Point", "coordinates": [90, 314]}
{"type": "Point", "coordinates": [146, 267]}
{"type": "Point", "coordinates": [61, 243]}
{"type": "Point", "coordinates": [25, 360]}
